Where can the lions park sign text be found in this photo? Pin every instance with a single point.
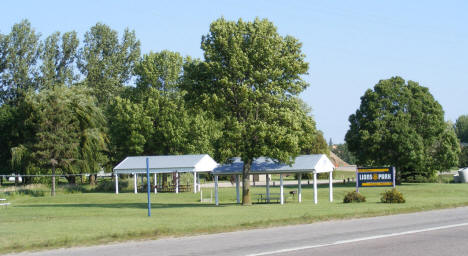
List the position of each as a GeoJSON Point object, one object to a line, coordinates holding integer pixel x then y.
{"type": "Point", "coordinates": [375, 177]}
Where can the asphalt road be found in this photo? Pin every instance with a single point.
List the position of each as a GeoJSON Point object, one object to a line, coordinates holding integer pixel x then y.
{"type": "Point", "coordinates": [442, 232]}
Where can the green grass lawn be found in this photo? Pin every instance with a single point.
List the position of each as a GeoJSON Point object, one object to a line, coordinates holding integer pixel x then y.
{"type": "Point", "coordinates": [93, 218]}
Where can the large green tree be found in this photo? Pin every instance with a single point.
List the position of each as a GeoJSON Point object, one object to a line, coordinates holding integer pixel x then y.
{"type": "Point", "coordinates": [249, 80]}
{"type": "Point", "coordinates": [401, 124]}
{"type": "Point", "coordinates": [107, 62]}
{"type": "Point", "coordinates": [129, 128]}
{"type": "Point", "coordinates": [153, 118]}
{"type": "Point", "coordinates": [19, 52]}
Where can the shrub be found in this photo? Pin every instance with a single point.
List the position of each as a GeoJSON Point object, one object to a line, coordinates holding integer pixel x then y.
{"type": "Point", "coordinates": [354, 197]}
{"type": "Point", "coordinates": [109, 185]}
{"type": "Point", "coordinates": [73, 188]}
{"type": "Point", "coordinates": [28, 192]}
{"type": "Point", "coordinates": [392, 196]}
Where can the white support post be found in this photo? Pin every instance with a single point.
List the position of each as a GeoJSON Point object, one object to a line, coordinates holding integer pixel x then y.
{"type": "Point", "coordinates": [177, 182]}
{"type": "Point", "coordinates": [155, 183]}
{"type": "Point", "coordinates": [331, 186]}
{"type": "Point", "coordinates": [135, 183]}
{"type": "Point", "coordinates": [116, 184]}
{"type": "Point", "coordinates": [281, 189]}
{"type": "Point", "coordinates": [315, 187]}
{"type": "Point", "coordinates": [237, 188]}
{"type": "Point", "coordinates": [194, 182]}
{"type": "Point", "coordinates": [198, 182]}
{"type": "Point", "coordinates": [268, 187]}
{"type": "Point", "coordinates": [216, 190]}
{"type": "Point", "coordinates": [299, 188]}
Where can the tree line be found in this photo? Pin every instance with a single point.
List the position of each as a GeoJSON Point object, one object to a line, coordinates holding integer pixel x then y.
{"type": "Point", "coordinates": [80, 106]}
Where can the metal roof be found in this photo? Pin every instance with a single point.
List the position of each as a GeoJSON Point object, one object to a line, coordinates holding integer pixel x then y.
{"type": "Point", "coordinates": [303, 163]}
{"type": "Point", "coordinates": [164, 164]}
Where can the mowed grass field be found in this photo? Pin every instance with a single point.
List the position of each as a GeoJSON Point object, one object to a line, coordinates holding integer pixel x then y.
{"type": "Point", "coordinates": [91, 218]}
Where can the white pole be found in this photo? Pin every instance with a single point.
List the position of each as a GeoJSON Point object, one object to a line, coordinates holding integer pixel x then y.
{"type": "Point", "coordinates": [281, 189]}
{"type": "Point", "coordinates": [315, 187]}
{"type": "Point", "coordinates": [177, 182]}
{"type": "Point", "coordinates": [237, 189]}
{"type": "Point", "coordinates": [194, 182]}
{"type": "Point", "coordinates": [331, 186]}
{"type": "Point", "coordinates": [198, 182]}
{"type": "Point", "coordinates": [299, 188]}
{"type": "Point", "coordinates": [116, 184]}
{"type": "Point", "coordinates": [268, 187]}
{"type": "Point", "coordinates": [135, 181]}
{"type": "Point", "coordinates": [155, 183]}
{"type": "Point", "coordinates": [216, 190]}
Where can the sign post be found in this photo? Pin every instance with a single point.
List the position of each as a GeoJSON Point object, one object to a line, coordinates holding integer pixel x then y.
{"type": "Point", "coordinates": [148, 186]}
{"type": "Point", "coordinates": [375, 177]}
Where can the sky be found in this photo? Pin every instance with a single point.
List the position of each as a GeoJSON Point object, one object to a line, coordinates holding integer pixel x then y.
{"type": "Point", "coordinates": [349, 45]}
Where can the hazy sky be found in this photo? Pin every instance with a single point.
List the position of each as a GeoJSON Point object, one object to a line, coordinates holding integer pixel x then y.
{"type": "Point", "coordinates": [350, 45]}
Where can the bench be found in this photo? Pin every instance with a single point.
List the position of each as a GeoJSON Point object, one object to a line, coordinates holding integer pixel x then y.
{"type": "Point", "coordinates": [262, 198]}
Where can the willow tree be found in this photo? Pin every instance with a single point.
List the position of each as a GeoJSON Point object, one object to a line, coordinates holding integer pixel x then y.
{"type": "Point", "coordinates": [249, 81]}
{"type": "Point", "coordinates": [65, 133]}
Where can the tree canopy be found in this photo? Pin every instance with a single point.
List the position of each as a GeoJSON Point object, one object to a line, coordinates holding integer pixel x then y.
{"type": "Point", "coordinates": [19, 52]}
{"type": "Point", "coordinates": [461, 128]}
{"type": "Point", "coordinates": [106, 61]}
{"type": "Point", "coordinates": [401, 124]}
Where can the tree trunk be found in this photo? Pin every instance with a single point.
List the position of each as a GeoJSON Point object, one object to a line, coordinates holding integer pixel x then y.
{"type": "Point", "coordinates": [398, 177]}
{"type": "Point", "coordinates": [92, 180]}
{"type": "Point", "coordinates": [52, 193]}
{"type": "Point", "coordinates": [27, 180]}
{"type": "Point", "coordinates": [16, 179]}
{"type": "Point", "coordinates": [246, 183]}
{"type": "Point", "coordinates": [71, 179]}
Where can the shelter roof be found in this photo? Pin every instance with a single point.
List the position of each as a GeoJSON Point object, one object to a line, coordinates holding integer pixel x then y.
{"type": "Point", "coordinates": [262, 165]}
{"type": "Point", "coordinates": [165, 164]}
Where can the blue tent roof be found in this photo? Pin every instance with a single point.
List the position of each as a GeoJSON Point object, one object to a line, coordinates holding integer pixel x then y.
{"type": "Point", "coordinates": [303, 163]}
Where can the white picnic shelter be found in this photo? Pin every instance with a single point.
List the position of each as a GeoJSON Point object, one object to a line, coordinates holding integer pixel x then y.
{"type": "Point", "coordinates": [158, 165]}
{"type": "Point", "coordinates": [318, 163]}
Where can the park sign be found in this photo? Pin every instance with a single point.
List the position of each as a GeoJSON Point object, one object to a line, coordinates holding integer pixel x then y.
{"type": "Point", "coordinates": [375, 177]}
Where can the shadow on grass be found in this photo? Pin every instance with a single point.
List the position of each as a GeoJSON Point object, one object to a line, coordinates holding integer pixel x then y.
{"type": "Point", "coordinates": [126, 205]}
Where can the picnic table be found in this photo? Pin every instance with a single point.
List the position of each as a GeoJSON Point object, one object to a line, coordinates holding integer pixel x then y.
{"type": "Point", "coordinates": [267, 199]}
{"type": "Point", "coordinates": [171, 188]}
